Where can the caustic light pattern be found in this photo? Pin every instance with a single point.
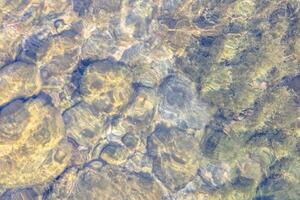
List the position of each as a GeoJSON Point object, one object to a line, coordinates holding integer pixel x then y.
{"type": "Point", "coordinates": [149, 99]}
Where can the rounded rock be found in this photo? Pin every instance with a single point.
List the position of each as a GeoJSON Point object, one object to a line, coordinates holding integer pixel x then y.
{"type": "Point", "coordinates": [31, 132]}
{"type": "Point", "coordinates": [106, 85]}
{"type": "Point", "coordinates": [175, 156]}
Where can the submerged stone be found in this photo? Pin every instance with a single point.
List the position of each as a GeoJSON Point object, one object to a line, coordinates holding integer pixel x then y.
{"type": "Point", "coordinates": [83, 124]}
{"type": "Point", "coordinates": [18, 80]}
{"type": "Point", "coordinates": [148, 99]}
{"type": "Point", "coordinates": [294, 84]}
{"type": "Point", "coordinates": [106, 86]}
{"type": "Point", "coordinates": [81, 6]}
{"type": "Point", "coordinates": [31, 131]}
{"type": "Point", "coordinates": [114, 154]}
{"type": "Point", "coordinates": [180, 104]}
{"type": "Point", "coordinates": [175, 156]}
{"type": "Point", "coordinates": [129, 140]}
{"type": "Point", "coordinates": [109, 6]}
{"type": "Point", "coordinates": [114, 183]}
{"type": "Point", "coordinates": [27, 194]}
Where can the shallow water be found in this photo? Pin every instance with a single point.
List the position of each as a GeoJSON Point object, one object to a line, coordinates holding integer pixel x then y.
{"type": "Point", "coordinates": [149, 99]}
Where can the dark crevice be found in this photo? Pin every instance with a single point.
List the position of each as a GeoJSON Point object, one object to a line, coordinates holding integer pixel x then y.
{"type": "Point", "coordinates": [24, 99]}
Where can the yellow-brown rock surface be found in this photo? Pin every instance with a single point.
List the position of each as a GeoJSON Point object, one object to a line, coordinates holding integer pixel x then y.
{"type": "Point", "coordinates": [113, 183]}
{"type": "Point", "coordinates": [31, 141]}
{"type": "Point", "coordinates": [106, 85]}
{"type": "Point", "coordinates": [149, 99]}
{"type": "Point", "coordinates": [17, 80]}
